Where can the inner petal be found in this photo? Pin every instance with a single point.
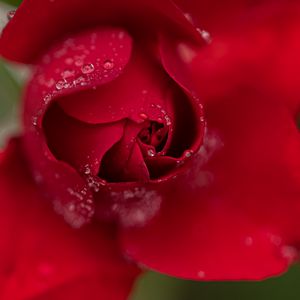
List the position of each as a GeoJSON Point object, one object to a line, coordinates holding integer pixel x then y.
{"type": "Point", "coordinates": [124, 161]}
{"type": "Point", "coordinates": [132, 95]}
{"type": "Point", "coordinates": [77, 143]}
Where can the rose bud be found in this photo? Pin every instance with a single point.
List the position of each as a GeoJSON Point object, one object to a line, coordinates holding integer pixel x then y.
{"type": "Point", "coordinates": [103, 116]}
{"type": "Point", "coordinates": [138, 120]}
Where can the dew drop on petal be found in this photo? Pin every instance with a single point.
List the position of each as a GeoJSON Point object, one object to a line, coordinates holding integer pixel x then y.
{"type": "Point", "coordinates": [34, 121]}
{"type": "Point", "coordinates": [11, 14]}
{"type": "Point", "coordinates": [86, 170]}
{"type": "Point", "coordinates": [79, 81]}
{"type": "Point", "coordinates": [168, 120]}
{"type": "Point", "coordinates": [151, 152]}
{"type": "Point", "coordinates": [78, 62]}
{"type": "Point", "coordinates": [87, 69]}
{"type": "Point", "coordinates": [188, 153]}
{"type": "Point", "coordinates": [108, 65]}
{"type": "Point", "coordinates": [290, 253]}
{"type": "Point", "coordinates": [60, 85]}
{"type": "Point", "coordinates": [188, 17]}
{"type": "Point", "coordinates": [201, 274]}
{"type": "Point", "coordinates": [144, 116]}
{"type": "Point", "coordinates": [47, 99]}
{"type": "Point", "coordinates": [205, 35]}
{"type": "Point", "coordinates": [186, 53]}
{"type": "Point", "coordinates": [143, 205]}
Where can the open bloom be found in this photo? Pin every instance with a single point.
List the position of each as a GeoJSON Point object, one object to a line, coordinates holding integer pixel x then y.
{"type": "Point", "coordinates": [184, 149]}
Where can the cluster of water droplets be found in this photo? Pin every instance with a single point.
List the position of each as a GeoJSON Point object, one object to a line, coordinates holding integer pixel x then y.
{"type": "Point", "coordinates": [200, 177]}
{"type": "Point", "coordinates": [165, 118]}
{"type": "Point", "coordinates": [204, 33]}
{"type": "Point", "coordinates": [79, 71]}
{"type": "Point", "coordinates": [136, 207]}
{"type": "Point", "coordinates": [79, 210]}
{"type": "Point", "coordinates": [11, 14]}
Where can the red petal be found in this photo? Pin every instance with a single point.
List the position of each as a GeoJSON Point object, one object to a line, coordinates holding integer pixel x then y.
{"type": "Point", "coordinates": [235, 214]}
{"type": "Point", "coordinates": [82, 62]}
{"type": "Point", "coordinates": [136, 94]}
{"type": "Point", "coordinates": [29, 34]}
{"type": "Point", "coordinates": [42, 257]}
{"type": "Point", "coordinates": [219, 16]}
{"type": "Point", "coordinates": [81, 145]}
{"type": "Point", "coordinates": [258, 41]}
{"type": "Point", "coordinates": [124, 161]}
{"type": "Point", "coordinates": [61, 182]}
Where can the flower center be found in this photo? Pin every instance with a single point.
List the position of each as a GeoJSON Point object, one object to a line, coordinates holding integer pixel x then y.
{"type": "Point", "coordinates": [154, 134]}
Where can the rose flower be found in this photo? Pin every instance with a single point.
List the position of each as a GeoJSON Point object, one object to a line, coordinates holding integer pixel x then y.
{"type": "Point", "coordinates": [144, 138]}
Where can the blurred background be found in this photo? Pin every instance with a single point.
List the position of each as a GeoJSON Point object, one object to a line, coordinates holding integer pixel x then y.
{"type": "Point", "coordinates": [151, 286]}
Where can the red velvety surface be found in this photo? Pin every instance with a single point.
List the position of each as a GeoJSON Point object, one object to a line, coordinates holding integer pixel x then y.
{"type": "Point", "coordinates": [260, 36]}
{"type": "Point", "coordinates": [236, 216]}
{"type": "Point", "coordinates": [234, 213]}
{"type": "Point", "coordinates": [42, 257]}
{"type": "Point", "coordinates": [34, 17]}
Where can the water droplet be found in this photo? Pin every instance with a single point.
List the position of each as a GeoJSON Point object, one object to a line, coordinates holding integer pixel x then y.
{"type": "Point", "coordinates": [188, 17]}
{"type": "Point", "coordinates": [80, 80]}
{"type": "Point", "coordinates": [186, 53]}
{"type": "Point", "coordinates": [201, 274]}
{"type": "Point", "coordinates": [34, 121]}
{"type": "Point", "coordinates": [94, 184]}
{"type": "Point", "coordinates": [188, 153]}
{"type": "Point", "coordinates": [151, 152]}
{"type": "Point", "coordinates": [11, 14]}
{"type": "Point", "coordinates": [78, 62]}
{"type": "Point", "coordinates": [61, 85]}
{"type": "Point", "coordinates": [290, 253]}
{"type": "Point", "coordinates": [202, 119]}
{"type": "Point", "coordinates": [47, 99]}
{"type": "Point", "coordinates": [205, 35]}
{"type": "Point", "coordinates": [144, 116]}
{"type": "Point", "coordinates": [141, 206]}
{"type": "Point", "coordinates": [108, 65]}
{"type": "Point", "coordinates": [87, 69]}
{"type": "Point", "coordinates": [87, 170]}
{"type": "Point", "coordinates": [168, 120]}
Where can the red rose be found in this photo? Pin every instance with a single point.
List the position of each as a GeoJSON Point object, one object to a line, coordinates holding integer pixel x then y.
{"type": "Point", "coordinates": [138, 126]}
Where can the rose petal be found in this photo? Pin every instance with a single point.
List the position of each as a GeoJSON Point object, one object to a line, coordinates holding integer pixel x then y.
{"type": "Point", "coordinates": [32, 33]}
{"type": "Point", "coordinates": [258, 41]}
{"type": "Point", "coordinates": [139, 93]}
{"type": "Point", "coordinates": [60, 181]}
{"type": "Point", "coordinates": [235, 213]}
{"type": "Point", "coordinates": [218, 16]}
{"type": "Point", "coordinates": [124, 161]}
{"type": "Point", "coordinates": [80, 144]}
{"type": "Point", "coordinates": [41, 256]}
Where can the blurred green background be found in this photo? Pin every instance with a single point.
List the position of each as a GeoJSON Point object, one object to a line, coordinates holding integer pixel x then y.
{"type": "Point", "coordinates": [151, 286]}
